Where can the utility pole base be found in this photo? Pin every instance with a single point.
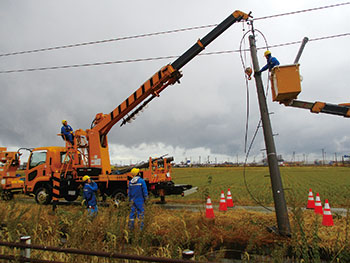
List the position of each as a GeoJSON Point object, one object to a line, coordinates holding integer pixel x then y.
{"type": "Point", "coordinates": [274, 230]}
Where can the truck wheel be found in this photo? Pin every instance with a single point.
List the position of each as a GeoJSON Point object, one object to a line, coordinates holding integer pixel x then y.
{"type": "Point", "coordinates": [43, 196]}
{"type": "Point", "coordinates": [6, 195]}
{"type": "Point", "coordinates": [71, 198]}
{"type": "Point", "coordinates": [118, 196]}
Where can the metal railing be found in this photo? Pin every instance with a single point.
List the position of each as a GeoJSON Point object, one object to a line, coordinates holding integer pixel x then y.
{"type": "Point", "coordinates": [26, 247]}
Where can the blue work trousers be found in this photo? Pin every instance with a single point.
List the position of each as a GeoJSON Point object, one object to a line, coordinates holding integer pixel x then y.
{"type": "Point", "coordinates": [137, 209]}
{"type": "Point", "coordinates": [92, 211]}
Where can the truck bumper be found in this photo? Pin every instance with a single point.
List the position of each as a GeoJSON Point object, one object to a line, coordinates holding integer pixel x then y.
{"type": "Point", "coordinates": [170, 188]}
{"type": "Point", "coordinates": [190, 191]}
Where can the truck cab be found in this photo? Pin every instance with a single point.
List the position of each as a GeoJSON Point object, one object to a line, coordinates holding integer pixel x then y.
{"type": "Point", "coordinates": [42, 163]}
{"type": "Point", "coordinates": [10, 181]}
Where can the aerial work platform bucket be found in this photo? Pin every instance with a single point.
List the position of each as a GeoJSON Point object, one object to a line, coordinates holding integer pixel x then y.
{"type": "Point", "coordinates": [285, 81]}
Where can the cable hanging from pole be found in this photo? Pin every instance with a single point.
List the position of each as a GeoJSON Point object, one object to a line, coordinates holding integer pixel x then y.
{"type": "Point", "coordinates": [243, 60]}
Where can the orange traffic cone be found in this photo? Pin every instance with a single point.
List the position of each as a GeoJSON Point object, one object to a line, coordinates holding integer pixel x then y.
{"type": "Point", "coordinates": [327, 216]}
{"type": "Point", "coordinates": [310, 201]}
{"type": "Point", "coordinates": [209, 211]}
{"type": "Point", "coordinates": [229, 199]}
{"type": "Point", "coordinates": [318, 205]}
{"type": "Point", "coordinates": [223, 206]}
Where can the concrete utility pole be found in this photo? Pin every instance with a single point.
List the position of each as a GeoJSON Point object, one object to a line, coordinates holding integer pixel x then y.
{"type": "Point", "coordinates": [276, 182]}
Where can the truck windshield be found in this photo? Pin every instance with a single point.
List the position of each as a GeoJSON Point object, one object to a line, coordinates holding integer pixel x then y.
{"type": "Point", "coordinates": [37, 158]}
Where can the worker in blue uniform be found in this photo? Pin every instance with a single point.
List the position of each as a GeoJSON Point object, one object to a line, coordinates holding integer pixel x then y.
{"type": "Point", "coordinates": [138, 194]}
{"type": "Point", "coordinates": [89, 190]}
{"type": "Point", "coordinates": [271, 62]}
{"type": "Point", "coordinates": [67, 132]}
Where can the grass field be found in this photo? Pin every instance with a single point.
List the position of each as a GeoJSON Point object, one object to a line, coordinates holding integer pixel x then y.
{"type": "Point", "coordinates": [332, 183]}
{"type": "Point", "coordinates": [168, 232]}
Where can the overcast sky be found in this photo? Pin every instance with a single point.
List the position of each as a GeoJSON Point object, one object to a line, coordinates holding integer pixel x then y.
{"type": "Point", "coordinates": [203, 116]}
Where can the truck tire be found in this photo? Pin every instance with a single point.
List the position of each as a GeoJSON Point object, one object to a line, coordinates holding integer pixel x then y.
{"type": "Point", "coordinates": [6, 195]}
{"type": "Point", "coordinates": [71, 198]}
{"type": "Point", "coordinates": [119, 195]}
{"type": "Point", "coordinates": [43, 195]}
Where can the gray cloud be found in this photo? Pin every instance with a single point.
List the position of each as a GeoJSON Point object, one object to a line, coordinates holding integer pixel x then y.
{"type": "Point", "coordinates": [207, 110]}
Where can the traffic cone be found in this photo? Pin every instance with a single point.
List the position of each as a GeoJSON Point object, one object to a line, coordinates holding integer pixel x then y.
{"type": "Point", "coordinates": [318, 205]}
{"type": "Point", "coordinates": [327, 216]}
{"type": "Point", "coordinates": [223, 205]}
{"type": "Point", "coordinates": [310, 201]}
{"type": "Point", "coordinates": [229, 199]}
{"type": "Point", "coordinates": [209, 211]}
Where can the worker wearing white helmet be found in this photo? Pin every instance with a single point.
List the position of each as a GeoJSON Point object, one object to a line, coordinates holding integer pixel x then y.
{"type": "Point", "coordinates": [271, 61]}
{"type": "Point", "coordinates": [137, 196]}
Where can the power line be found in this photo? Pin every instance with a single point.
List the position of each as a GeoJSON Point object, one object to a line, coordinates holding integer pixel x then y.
{"type": "Point", "coordinates": [106, 40]}
{"type": "Point", "coordinates": [162, 57]}
{"type": "Point", "coordinates": [302, 11]}
{"type": "Point", "coordinates": [158, 33]}
{"type": "Point", "coordinates": [89, 64]}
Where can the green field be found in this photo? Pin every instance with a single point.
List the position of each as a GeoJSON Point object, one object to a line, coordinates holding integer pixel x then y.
{"type": "Point", "coordinates": [332, 183]}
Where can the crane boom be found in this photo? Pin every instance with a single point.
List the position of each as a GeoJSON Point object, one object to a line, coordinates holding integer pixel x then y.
{"type": "Point", "coordinates": [166, 76]}
{"type": "Point", "coordinates": [212, 35]}
{"type": "Point", "coordinates": [93, 144]}
{"type": "Point", "coordinates": [150, 89]}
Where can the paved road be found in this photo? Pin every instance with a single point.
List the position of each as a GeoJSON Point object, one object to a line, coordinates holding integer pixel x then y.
{"type": "Point", "coordinates": [193, 207]}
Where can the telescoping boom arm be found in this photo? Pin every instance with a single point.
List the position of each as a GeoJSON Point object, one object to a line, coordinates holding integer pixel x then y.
{"type": "Point", "coordinates": [285, 82]}
{"type": "Point", "coordinates": [167, 75]}
{"type": "Point", "coordinates": [323, 107]}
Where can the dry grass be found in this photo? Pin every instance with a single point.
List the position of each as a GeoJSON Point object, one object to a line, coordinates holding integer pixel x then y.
{"type": "Point", "coordinates": [167, 234]}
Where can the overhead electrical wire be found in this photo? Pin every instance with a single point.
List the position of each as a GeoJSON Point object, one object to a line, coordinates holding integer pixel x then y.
{"type": "Point", "coordinates": [159, 33]}
{"type": "Point", "coordinates": [105, 40]}
{"type": "Point", "coordinates": [160, 58]}
{"type": "Point", "coordinates": [302, 11]}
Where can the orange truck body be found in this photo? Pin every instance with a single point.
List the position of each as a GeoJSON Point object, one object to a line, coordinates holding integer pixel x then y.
{"type": "Point", "coordinates": [45, 163]}
{"type": "Point", "coordinates": [10, 181]}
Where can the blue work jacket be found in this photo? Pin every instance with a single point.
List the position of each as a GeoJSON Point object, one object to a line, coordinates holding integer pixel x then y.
{"type": "Point", "coordinates": [271, 62]}
{"type": "Point", "coordinates": [89, 193]}
{"type": "Point", "coordinates": [137, 190]}
{"type": "Point", "coordinates": [66, 129]}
